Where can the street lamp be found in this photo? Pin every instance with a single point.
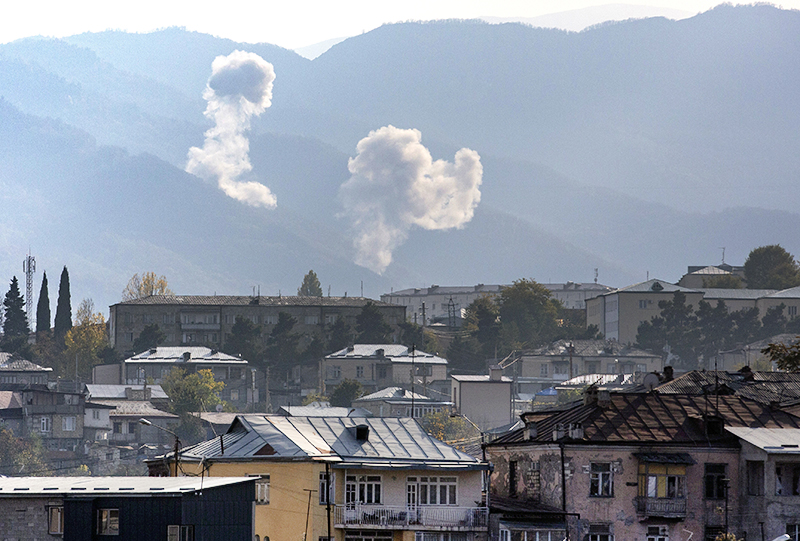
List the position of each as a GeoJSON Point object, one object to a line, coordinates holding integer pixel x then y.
{"type": "Point", "coordinates": [146, 422]}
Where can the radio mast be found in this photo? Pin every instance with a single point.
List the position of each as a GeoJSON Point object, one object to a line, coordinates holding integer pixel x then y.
{"type": "Point", "coordinates": [29, 267]}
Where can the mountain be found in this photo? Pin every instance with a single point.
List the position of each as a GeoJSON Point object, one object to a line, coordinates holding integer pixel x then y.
{"type": "Point", "coordinates": [635, 147]}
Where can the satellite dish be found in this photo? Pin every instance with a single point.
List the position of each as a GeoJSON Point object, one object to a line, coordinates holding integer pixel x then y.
{"type": "Point", "coordinates": [651, 381]}
{"type": "Point", "coordinates": [219, 408]}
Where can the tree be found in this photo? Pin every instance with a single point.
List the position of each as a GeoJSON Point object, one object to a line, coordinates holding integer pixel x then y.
{"type": "Point", "coordinates": [423, 339]}
{"type": "Point", "coordinates": [343, 394]}
{"type": "Point", "coordinates": [148, 284]}
{"type": "Point", "coordinates": [310, 286]}
{"type": "Point", "coordinates": [463, 354]}
{"type": "Point", "coordinates": [371, 327]}
{"type": "Point", "coordinates": [771, 267]}
{"type": "Point", "coordinates": [245, 340]}
{"type": "Point", "coordinates": [193, 392]}
{"type": "Point", "coordinates": [282, 343]}
{"type": "Point", "coordinates": [482, 322]}
{"type": "Point", "coordinates": [774, 321]}
{"type": "Point", "coordinates": [63, 321]}
{"type": "Point", "coordinates": [444, 427]}
{"type": "Point", "coordinates": [20, 456]}
{"type": "Point", "coordinates": [528, 314]}
{"type": "Point", "coordinates": [723, 281]}
{"type": "Point", "coordinates": [150, 337]}
{"type": "Point", "coordinates": [43, 308]}
{"type": "Point", "coordinates": [340, 335]}
{"type": "Point", "coordinates": [785, 357]}
{"type": "Point", "coordinates": [87, 339]}
{"type": "Point", "coordinates": [674, 330]}
{"type": "Point", "coordinates": [15, 323]}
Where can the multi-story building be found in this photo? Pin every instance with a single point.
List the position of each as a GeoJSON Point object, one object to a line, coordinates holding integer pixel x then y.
{"type": "Point", "coordinates": [346, 479]}
{"type": "Point", "coordinates": [442, 303]}
{"type": "Point", "coordinates": [486, 400]}
{"type": "Point", "coordinates": [638, 466]}
{"type": "Point", "coordinates": [16, 373]}
{"type": "Point", "coordinates": [207, 319]}
{"type": "Point", "coordinates": [399, 402]}
{"type": "Point", "coordinates": [376, 366]}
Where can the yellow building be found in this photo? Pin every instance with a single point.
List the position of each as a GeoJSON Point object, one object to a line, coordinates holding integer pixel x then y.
{"type": "Point", "coordinates": [389, 480]}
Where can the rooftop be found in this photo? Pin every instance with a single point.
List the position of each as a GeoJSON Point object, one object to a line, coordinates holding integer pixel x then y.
{"type": "Point", "coordinates": [246, 300]}
{"type": "Point", "coordinates": [178, 354]}
{"type": "Point", "coordinates": [653, 286]}
{"type": "Point", "coordinates": [137, 408]}
{"type": "Point", "coordinates": [316, 411]}
{"type": "Point", "coordinates": [9, 363]}
{"type": "Point", "coordinates": [82, 486]}
{"type": "Point", "coordinates": [111, 392]}
{"type": "Point", "coordinates": [784, 441]}
{"type": "Point", "coordinates": [763, 387]}
{"type": "Point", "coordinates": [589, 348]}
{"type": "Point", "coordinates": [395, 353]}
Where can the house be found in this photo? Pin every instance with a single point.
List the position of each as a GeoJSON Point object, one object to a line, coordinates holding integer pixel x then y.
{"type": "Point", "coordinates": [697, 277]}
{"type": "Point", "coordinates": [16, 373]}
{"type": "Point", "coordinates": [241, 386]}
{"type": "Point", "coordinates": [769, 388]}
{"type": "Point", "coordinates": [376, 366]}
{"type": "Point", "coordinates": [399, 402]}
{"type": "Point", "coordinates": [348, 479]}
{"type": "Point", "coordinates": [208, 319]}
{"type": "Point", "coordinates": [633, 466]}
{"type": "Point", "coordinates": [127, 508]}
{"type": "Point", "coordinates": [486, 400]}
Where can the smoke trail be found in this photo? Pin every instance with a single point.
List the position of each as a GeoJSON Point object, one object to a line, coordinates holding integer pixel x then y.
{"type": "Point", "coordinates": [395, 185]}
{"type": "Point", "coordinates": [240, 86]}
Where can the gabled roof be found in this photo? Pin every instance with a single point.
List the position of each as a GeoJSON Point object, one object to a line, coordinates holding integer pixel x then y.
{"type": "Point", "coordinates": [651, 418]}
{"type": "Point", "coordinates": [791, 293]}
{"type": "Point", "coordinates": [10, 400]}
{"type": "Point", "coordinates": [394, 393]}
{"type": "Point", "coordinates": [117, 392]}
{"type": "Point", "coordinates": [764, 387]}
{"type": "Point", "coordinates": [246, 300]}
{"type": "Point", "coordinates": [783, 441]}
{"type": "Point", "coordinates": [177, 354]}
{"type": "Point", "coordinates": [137, 408]}
{"type": "Point", "coordinates": [394, 353]}
{"type": "Point", "coordinates": [471, 378]}
{"type": "Point", "coordinates": [715, 294]}
{"type": "Point", "coordinates": [315, 411]}
{"type": "Point", "coordinates": [588, 348]}
{"type": "Point", "coordinates": [653, 286]}
{"type": "Point", "coordinates": [711, 270]}
{"type": "Point", "coordinates": [9, 363]}
{"type": "Point", "coordinates": [17, 487]}
{"type": "Point", "coordinates": [391, 442]}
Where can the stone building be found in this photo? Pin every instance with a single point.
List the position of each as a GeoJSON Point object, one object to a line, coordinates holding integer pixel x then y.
{"type": "Point", "coordinates": [208, 319]}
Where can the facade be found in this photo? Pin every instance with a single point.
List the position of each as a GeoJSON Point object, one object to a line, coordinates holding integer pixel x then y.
{"type": "Point", "coordinates": [427, 305]}
{"type": "Point", "coordinates": [348, 479]}
{"type": "Point", "coordinates": [376, 366]}
{"type": "Point", "coordinates": [207, 320]}
{"type": "Point", "coordinates": [399, 402]}
{"type": "Point", "coordinates": [635, 466]}
{"type": "Point", "coordinates": [699, 277]}
{"type": "Point", "coordinates": [126, 508]}
{"type": "Point", "coordinates": [484, 400]}
{"type": "Point", "coordinates": [16, 373]}
{"type": "Point", "coordinates": [545, 367]}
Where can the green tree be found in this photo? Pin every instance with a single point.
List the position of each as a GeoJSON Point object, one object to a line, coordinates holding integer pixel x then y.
{"type": "Point", "coordinates": [771, 267]}
{"type": "Point", "coordinates": [86, 339]}
{"type": "Point", "coordinates": [20, 456]}
{"type": "Point", "coordinates": [723, 281]}
{"type": "Point", "coordinates": [747, 325]}
{"type": "Point", "coordinates": [245, 340]}
{"type": "Point", "coordinates": [674, 330]}
{"type": "Point", "coordinates": [282, 343]}
{"type": "Point", "coordinates": [452, 429]}
{"type": "Point", "coordinates": [463, 354]}
{"type": "Point", "coordinates": [43, 308]}
{"type": "Point", "coordinates": [786, 357]}
{"type": "Point", "coordinates": [343, 394]}
{"type": "Point", "coordinates": [63, 321]}
{"type": "Point", "coordinates": [340, 335]}
{"type": "Point", "coordinates": [716, 328]}
{"type": "Point", "coordinates": [193, 392]}
{"type": "Point", "coordinates": [310, 286]}
{"type": "Point", "coordinates": [528, 314]}
{"type": "Point", "coordinates": [150, 337]}
{"type": "Point", "coordinates": [482, 322]}
{"type": "Point", "coordinates": [148, 284]}
{"type": "Point", "coordinates": [371, 327]}
{"type": "Point", "coordinates": [774, 321]}
{"type": "Point", "coordinates": [424, 339]}
{"type": "Point", "coordinates": [15, 323]}
{"type": "Point", "coordinates": [314, 350]}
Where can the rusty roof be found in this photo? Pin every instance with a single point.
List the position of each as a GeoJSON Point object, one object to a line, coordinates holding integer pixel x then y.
{"type": "Point", "coordinates": [656, 418]}
{"type": "Point", "coordinates": [246, 300]}
{"type": "Point", "coordinates": [764, 387]}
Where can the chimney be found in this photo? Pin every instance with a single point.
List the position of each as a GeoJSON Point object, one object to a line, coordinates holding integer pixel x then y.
{"type": "Point", "coordinates": [361, 433]}
{"type": "Point", "coordinates": [186, 356]}
{"type": "Point", "coordinates": [559, 432]}
{"type": "Point", "coordinates": [529, 432]}
{"type": "Point", "coordinates": [379, 353]}
{"type": "Point", "coordinates": [153, 351]}
{"type": "Point", "coordinates": [576, 431]}
{"type": "Point", "coordinates": [495, 373]}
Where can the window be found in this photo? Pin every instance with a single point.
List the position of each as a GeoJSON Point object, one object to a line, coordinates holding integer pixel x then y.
{"type": "Point", "coordinates": [715, 481]}
{"type": "Point", "coordinates": [334, 372]}
{"type": "Point", "coordinates": [381, 372]}
{"type": "Point", "coordinates": [755, 477]}
{"type": "Point", "coordinates": [271, 320]}
{"type": "Point", "coordinates": [543, 370]}
{"type": "Point", "coordinates": [46, 424]}
{"type": "Point", "coordinates": [601, 480]}
{"type": "Point", "coordinates": [234, 395]}
{"type": "Point", "coordinates": [792, 310]}
{"type": "Point", "coordinates": [166, 318]}
{"type": "Point", "coordinates": [95, 414]}
{"type": "Point", "coordinates": [128, 336]}
{"type": "Point", "coordinates": [657, 533]}
{"type": "Point", "coordinates": [132, 427]}
{"type": "Point", "coordinates": [55, 520]}
{"type": "Point", "coordinates": [560, 368]}
{"type": "Point", "coordinates": [432, 490]}
{"type": "Point", "coordinates": [108, 521]}
{"type": "Point", "coordinates": [787, 480]}
{"type": "Point", "coordinates": [180, 533]}
{"type": "Point", "coordinates": [326, 492]}
{"type": "Point", "coordinates": [512, 478]}
{"type": "Point", "coordinates": [117, 428]}
{"type": "Point", "coordinates": [236, 373]}
{"type": "Point", "coordinates": [311, 320]}
{"type": "Point", "coordinates": [147, 318]}
{"type": "Point", "coordinates": [68, 423]}
{"type": "Point", "coordinates": [359, 371]}
{"type": "Point", "coordinates": [262, 489]}
{"type": "Point", "coordinates": [330, 319]}
{"type": "Point", "coordinates": [362, 489]}
{"type": "Point", "coordinates": [592, 367]}
{"type": "Point", "coordinates": [505, 535]}
{"type": "Point", "coordinates": [662, 480]}
{"type": "Point", "coordinates": [793, 531]}
{"type": "Point", "coordinates": [600, 532]}
{"type": "Point", "coordinates": [643, 305]}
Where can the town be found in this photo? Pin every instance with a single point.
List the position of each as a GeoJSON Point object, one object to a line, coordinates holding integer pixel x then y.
{"type": "Point", "coordinates": [522, 411]}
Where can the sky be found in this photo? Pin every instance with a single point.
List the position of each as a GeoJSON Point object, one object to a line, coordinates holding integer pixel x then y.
{"type": "Point", "coordinates": [292, 24]}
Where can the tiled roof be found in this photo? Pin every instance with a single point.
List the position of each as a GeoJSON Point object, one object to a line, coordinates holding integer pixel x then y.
{"type": "Point", "coordinates": [764, 387]}
{"type": "Point", "coordinates": [655, 418]}
{"type": "Point", "coordinates": [139, 408]}
{"type": "Point", "coordinates": [395, 442]}
{"type": "Point", "coordinates": [10, 364]}
{"type": "Point", "coordinates": [245, 300]}
{"type": "Point", "coordinates": [99, 392]}
{"type": "Point", "coordinates": [197, 354]}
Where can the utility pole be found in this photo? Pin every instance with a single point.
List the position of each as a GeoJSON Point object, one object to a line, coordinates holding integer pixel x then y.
{"type": "Point", "coordinates": [308, 512]}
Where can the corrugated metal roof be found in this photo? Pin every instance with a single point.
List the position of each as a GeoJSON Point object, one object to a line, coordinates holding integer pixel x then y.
{"type": "Point", "coordinates": [393, 392]}
{"type": "Point", "coordinates": [771, 440]}
{"type": "Point", "coordinates": [395, 353]}
{"type": "Point", "coordinates": [447, 290]}
{"type": "Point", "coordinates": [479, 378]}
{"type": "Point", "coordinates": [271, 437]}
{"type": "Point", "coordinates": [330, 411]}
{"type": "Point", "coordinates": [657, 418]}
{"type": "Point", "coordinates": [197, 354]}
{"type": "Point", "coordinates": [711, 270]}
{"type": "Point", "coordinates": [109, 392]}
{"type": "Point", "coordinates": [764, 387]}
{"type": "Point", "coordinates": [245, 300]}
{"type": "Point", "coordinates": [83, 486]}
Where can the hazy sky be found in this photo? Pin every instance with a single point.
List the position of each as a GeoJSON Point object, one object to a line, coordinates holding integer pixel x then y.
{"type": "Point", "coordinates": [291, 24]}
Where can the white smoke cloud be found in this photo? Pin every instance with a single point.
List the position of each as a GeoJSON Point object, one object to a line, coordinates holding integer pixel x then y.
{"type": "Point", "coordinates": [240, 87]}
{"type": "Point", "coordinates": [395, 185]}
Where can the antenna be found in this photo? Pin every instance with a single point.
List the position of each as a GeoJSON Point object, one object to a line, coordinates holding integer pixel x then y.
{"type": "Point", "coordinates": [362, 288]}
{"type": "Point", "coordinates": [29, 267]}
{"type": "Point", "coordinates": [723, 255]}
{"type": "Point", "coordinates": [595, 275]}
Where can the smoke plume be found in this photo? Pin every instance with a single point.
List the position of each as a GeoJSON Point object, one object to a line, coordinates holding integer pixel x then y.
{"type": "Point", "coordinates": [240, 87]}
{"type": "Point", "coordinates": [395, 185]}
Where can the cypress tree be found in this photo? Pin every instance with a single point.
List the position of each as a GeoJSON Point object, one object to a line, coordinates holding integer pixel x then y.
{"type": "Point", "coordinates": [43, 308]}
{"type": "Point", "coordinates": [63, 322]}
{"type": "Point", "coordinates": [16, 321]}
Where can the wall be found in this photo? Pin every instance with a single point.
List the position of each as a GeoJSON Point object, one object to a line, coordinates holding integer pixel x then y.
{"type": "Point", "coordinates": [485, 403]}
{"type": "Point", "coordinates": [25, 518]}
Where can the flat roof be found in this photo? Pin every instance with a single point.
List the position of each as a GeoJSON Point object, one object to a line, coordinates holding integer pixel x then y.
{"type": "Point", "coordinates": [63, 486]}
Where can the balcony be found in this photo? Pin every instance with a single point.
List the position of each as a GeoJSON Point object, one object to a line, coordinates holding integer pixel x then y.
{"type": "Point", "coordinates": [661, 507]}
{"type": "Point", "coordinates": [427, 517]}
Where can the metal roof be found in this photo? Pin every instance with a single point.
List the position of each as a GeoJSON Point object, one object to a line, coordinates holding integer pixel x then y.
{"type": "Point", "coordinates": [764, 387]}
{"type": "Point", "coordinates": [103, 486]}
{"type": "Point", "coordinates": [99, 392]}
{"type": "Point", "coordinates": [588, 348]}
{"type": "Point", "coordinates": [711, 270]}
{"type": "Point", "coordinates": [598, 379]}
{"type": "Point", "coordinates": [481, 378]}
{"type": "Point", "coordinates": [711, 294]}
{"type": "Point", "coordinates": [791, 293]}
{"type": "Point", "coordinates": [447, 290]}
{"type": "Point", "coordinates": [647, 287]}
{"type": "Point", "coordinates": [391, 442]}
{"type": "Point", "coordinates": [395, 353]}
{"type": "Point", "coordinates": [771, 440]}
{"type": "Point", "coordinates": [666, 458]}
{"type": "Point", "coordinates": [330, 411]}
{"type": "Point", "coordinates": [175, 354]}
{"type": "Point", "coordinates": [394, 392]}
{"type": "Point", "coordinates": [246, 300]}
{"type": "Point", "coordinates": [10, 400]}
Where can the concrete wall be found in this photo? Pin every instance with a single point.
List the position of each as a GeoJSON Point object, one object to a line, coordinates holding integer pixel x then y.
{"type": "Point", "coordinates": [485, 403]}
{"type": "Point", "coordinates": [25, 519]}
